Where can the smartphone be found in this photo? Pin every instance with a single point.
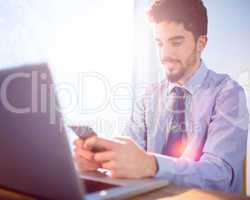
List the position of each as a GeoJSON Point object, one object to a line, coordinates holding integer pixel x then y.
{"type": "Point", "coordinates": [85, 132]}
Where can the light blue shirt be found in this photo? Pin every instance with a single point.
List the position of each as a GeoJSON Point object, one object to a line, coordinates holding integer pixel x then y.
{"type": "Point", "coordinates": [217, 127]}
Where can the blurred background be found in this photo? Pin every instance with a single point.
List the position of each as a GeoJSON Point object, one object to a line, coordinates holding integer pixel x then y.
{"type": "Point", "coordinates": [102, 53]}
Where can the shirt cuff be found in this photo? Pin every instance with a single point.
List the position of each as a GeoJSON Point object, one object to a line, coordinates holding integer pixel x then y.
{"type": "Point", "coordinates": [166, 166]}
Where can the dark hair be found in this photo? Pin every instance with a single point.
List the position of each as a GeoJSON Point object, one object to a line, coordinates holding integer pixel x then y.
{"type": "Point", "coordinates": [191, 13]}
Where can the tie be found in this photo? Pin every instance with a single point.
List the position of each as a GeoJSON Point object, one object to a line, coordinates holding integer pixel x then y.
{"type": "Point", "coordinates": [177, 137]}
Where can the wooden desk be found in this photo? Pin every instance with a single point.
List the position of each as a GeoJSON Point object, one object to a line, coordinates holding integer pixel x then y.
{"type": "Point", "coordinates": [173, 192]}
{"type": "Point", "coordinates": [170, 192]}
{"type": "Point", "coordinates": [6, 194]}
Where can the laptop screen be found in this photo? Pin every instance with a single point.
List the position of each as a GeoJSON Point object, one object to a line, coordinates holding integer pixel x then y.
{"type": "Point", "coordinates": [35, 157]}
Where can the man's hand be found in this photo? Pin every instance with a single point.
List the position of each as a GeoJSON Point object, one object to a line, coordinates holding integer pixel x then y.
{"type": "Point", "coordinates": [123, 157]}
{"type": "Point", "coordinates": [84, 157]}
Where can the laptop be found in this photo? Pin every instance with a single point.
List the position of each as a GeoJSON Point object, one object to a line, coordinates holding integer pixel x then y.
{"type": "Point", "coordinates": [35, 155]}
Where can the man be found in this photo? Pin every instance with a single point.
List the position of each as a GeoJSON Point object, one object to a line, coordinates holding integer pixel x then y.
{"type": "Point", "coordinates": [192, 127]}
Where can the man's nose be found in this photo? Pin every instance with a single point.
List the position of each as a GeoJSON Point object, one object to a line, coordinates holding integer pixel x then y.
{"type": "Point", "coordinates": [166, 53]}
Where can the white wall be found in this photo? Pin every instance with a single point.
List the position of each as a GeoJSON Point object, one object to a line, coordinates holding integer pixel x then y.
{"type": "Point", "coordinates": [78, 36]}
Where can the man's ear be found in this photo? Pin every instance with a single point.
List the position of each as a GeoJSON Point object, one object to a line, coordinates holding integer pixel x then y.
{"type": "Point", "coordinates": [201, 43]}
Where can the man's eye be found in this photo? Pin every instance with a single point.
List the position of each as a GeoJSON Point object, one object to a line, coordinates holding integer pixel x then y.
{"type": "Point", "coordinates": [177, 44]}
{"type": "Point", "coordinates": [159, 44]}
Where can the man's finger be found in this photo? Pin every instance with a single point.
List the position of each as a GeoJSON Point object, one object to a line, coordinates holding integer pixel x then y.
{"type": "Point", "coordinates": [109, 165]}
{"type": "Point", "coordinates": [108, 144]}
{"type": "Point", "coordinates": [84, 153]}
{"type": "Point", "coordinates": [104, 156]}
{"type": "Point", "coordinates": [78, 143]}
{"type": "Point", "coordinates": [85, 165]}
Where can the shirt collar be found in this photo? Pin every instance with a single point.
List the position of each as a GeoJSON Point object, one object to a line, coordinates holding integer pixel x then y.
{"type": "Point", "coordinates": [194, 83]}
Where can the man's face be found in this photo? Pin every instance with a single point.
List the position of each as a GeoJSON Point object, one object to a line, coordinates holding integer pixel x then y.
{"type": "Point", "coordinates": [178, 50]}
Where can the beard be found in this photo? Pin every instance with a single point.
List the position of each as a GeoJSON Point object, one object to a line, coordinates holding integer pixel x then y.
{"type": "Point", "coordinates": [178, 72]}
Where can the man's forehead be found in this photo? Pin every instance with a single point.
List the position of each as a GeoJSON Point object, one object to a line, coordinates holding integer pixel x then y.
{"type": "Point", "coordinates": [169, 30]}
